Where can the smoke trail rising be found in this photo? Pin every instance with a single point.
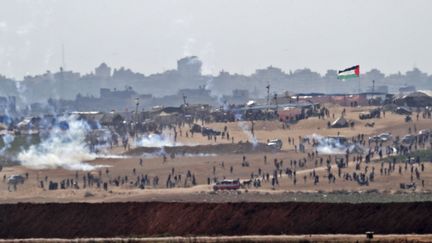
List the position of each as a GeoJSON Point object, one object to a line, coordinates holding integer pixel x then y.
{"type": "Point", "coordinates": [247, 130]}
{"type": "Point", "coordinates": [7, 142]}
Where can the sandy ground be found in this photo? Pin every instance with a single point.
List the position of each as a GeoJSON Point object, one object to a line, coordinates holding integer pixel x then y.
{"type": "Point", "coordinates": [202, 167]}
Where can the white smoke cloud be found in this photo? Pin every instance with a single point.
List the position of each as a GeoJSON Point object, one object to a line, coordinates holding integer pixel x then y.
{"type": "Point", "coordinates": [155, 140]}
{"type": "Point", "coordinates": [21, 89]}
{"type": "Point", "coordinates": [7, 142]}
{"type": "Point", "coordinates": [64, 148]}
{"type": "Point", "coordinates": [208, 54]}
{"type": "Point", "coordinates": [330, 145]}
{"type": "Point", "coordinates": [247, 130]}
{"type": "Point", "coordinates": [211, 86]}
{"type": "Point", "coordinates": [186, 155]}
{"type": "Point", "coordinates": [223, 103]}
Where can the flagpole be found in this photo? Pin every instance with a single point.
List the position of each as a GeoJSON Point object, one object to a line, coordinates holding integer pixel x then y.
{"type": "Point", "coordinates": [359, 85]}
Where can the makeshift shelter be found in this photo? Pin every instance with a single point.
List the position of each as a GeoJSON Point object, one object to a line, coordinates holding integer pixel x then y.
{"type": "Point", "coordinates": [111, 119]}
{"type": "Point", "coordinates": [339, 123]}
{"type": "Point", "coordinates": [289, 113]}
{"type": "Point", "coordinates": [416, 99]}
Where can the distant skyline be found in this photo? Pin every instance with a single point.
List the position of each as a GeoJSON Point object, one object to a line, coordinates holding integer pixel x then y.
{"type": "Point", "coordinates": [237, 36]}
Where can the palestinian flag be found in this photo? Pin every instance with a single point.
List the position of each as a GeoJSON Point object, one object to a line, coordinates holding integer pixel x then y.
{"type": "Point", "coordinates": [352, 72]}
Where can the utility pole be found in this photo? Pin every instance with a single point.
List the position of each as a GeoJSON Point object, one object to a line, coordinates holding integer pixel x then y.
{"type": "Point", "coordinates": [276, 101]}
{"type": "Point", "coordinates": [268, 94]}
{"type": "Point", "coordinates": [359, 89]}
{"type": "Point", "coordinates": [136, 117]}
{"type": "Point", "coordinates": [184, 100]}
{"type": "Point", "coordinates": [268, 98]}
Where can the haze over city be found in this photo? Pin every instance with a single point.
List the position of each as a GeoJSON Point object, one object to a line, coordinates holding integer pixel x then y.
{"type": "Point", "coordinates": [236, 36]}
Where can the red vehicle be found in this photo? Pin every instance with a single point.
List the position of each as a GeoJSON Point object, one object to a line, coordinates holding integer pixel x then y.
{"type": "Point", "coordinates": [227, 185]}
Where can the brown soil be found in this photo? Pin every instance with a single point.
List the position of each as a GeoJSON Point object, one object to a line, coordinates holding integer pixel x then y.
{"type": "Point", "coordinates": [72, 220]}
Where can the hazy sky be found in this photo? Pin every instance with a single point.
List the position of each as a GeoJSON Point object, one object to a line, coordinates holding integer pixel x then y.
{"type": "Point", "coordinates": [235, 35]}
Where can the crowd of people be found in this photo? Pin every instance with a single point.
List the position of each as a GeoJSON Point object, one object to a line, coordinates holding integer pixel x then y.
{"type": "Point", "coordinates": [310, 166]}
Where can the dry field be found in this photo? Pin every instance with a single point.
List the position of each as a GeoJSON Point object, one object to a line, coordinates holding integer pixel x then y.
{"type": "Point", "coordinates": [201, 165]}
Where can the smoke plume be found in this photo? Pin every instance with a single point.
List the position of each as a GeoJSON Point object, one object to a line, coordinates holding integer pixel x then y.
{"type": "Point", "coordinates": [155, 140]}
{"type": "Point", "coordinates": [7, 142]}
{"type": "Point", "coordinates": [64, 148]}
{"type": "Point", "coordinates": [332, 145]}
{"type": "Point", "coordinates": [247, 130]}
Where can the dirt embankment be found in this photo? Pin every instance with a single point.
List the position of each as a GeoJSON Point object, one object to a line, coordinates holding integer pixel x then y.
{"type": "Point", "coordinates": [73, 220]}
{"type": "Point", "coordinates": [227, 148]}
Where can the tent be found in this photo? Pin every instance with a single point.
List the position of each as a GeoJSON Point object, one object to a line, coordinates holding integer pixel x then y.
{"type": "Point", "coordinates": [340, 122]}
